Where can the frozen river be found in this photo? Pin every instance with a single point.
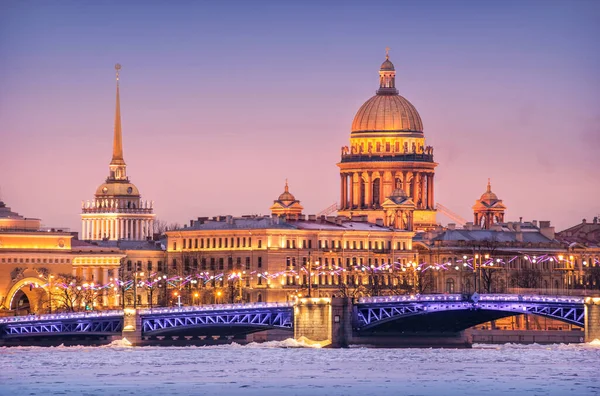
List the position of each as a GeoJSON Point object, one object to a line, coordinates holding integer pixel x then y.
{"type": "Point", "coordinates": [272, 369]}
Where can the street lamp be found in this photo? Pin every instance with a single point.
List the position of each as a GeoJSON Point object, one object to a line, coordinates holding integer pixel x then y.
{"type": "Point", "coordinates": [218, 298]}
{"type": "Point", "coordinates": [176, 294]}
{"type": "Point", "coordinates": [50, 292]}
{"type": "Point", "coordinates": [135, 285]}
{"type": "Point", "coordinates": [195, 297]}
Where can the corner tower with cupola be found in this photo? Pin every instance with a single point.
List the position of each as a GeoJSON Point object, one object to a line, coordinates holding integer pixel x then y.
{"type": "Point", "coordinates": [387, 152]}
{"type": "Point", "coordinates": [117, 210]}
{"type": "Point", "coordinates": [286, 204]}
{"type": "Point", "coordinates": [488, 209]}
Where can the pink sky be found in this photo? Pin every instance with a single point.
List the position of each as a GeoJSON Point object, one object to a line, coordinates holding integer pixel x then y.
{"type": "Point", "coordinates": [220, 107]}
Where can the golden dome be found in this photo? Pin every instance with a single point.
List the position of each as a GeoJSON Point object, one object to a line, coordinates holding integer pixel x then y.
{"type": "Point", "coordinates": [286, 195]}
{"type": "Point", "coordinates": [387, 113]}
{"type": "Point", "coordinates": [111, 189]}
{"type": "Point", "coordinates": [488, 196]}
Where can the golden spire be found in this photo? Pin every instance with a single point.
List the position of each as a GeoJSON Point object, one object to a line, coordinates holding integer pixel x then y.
{"type": "Point", "coordinates": [387, 52]}
{"type": "Point", "coordinates": [489, 186]}
{"type": "Point", "coordinates": [286, 186]}
{"type": "Point", "coordinates": [117, 158]}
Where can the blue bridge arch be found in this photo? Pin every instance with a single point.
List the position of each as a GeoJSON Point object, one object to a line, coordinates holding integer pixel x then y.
{"type": "Point", "coordinates": [458, 312]}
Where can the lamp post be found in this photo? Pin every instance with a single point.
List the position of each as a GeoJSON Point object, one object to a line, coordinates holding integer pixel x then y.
{"type": "Point", "coordinates": [475, 272]}
{"type": "Point", "coordinates": [178, 295]}
{"type": "Point", "coordinates": [135, 285]}
{"type": "Point", "coordinates": [50, 292]}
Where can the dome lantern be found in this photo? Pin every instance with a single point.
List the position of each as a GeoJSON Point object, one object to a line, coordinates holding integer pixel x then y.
{"type": "Point", "coordinates": [387, 76]}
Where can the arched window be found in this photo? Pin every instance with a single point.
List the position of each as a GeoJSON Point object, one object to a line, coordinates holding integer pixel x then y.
{"type": "Point", "coordinates": [259, 297]}
{"type": "Point", "coordinates": [450, 285]}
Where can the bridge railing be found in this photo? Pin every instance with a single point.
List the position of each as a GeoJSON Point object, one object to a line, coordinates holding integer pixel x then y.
{"type": "Point", "coordinates": [530, 298]}
{"type": "Point", "coordinates": [411, 298]}
{"type": "Point", "coordinates": [60, 316]}
{"type": "Point", "coordinates": [215, 307]}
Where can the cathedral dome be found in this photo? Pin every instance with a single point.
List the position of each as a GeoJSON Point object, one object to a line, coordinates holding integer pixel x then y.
{"type": "Point", "coordinates": [387, 65]}
{"type": "Point", "coordinates": [112, 189]}
{"type": "Point", "coordinates": [387, 113]}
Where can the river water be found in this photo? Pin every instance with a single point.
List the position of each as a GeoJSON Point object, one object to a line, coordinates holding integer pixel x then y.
{"type": "Point", "coordinates": [283, 368]}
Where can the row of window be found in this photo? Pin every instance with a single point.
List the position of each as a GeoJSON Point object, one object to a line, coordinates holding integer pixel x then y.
{"type": "Point", "coordinates": [333, 261]}
{"type": "Point", "coordinates": [22, 260]}
{"type": "Point", "coordinates": [204, 264]}
{"type": "Point", "coordinates": [216, 243]}
{"type": "Point", "coordinates": [370, 245]}
{"type": "Point", "coordinates": [349, 279]}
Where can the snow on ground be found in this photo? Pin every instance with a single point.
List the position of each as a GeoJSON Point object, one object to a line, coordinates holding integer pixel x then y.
{"type": "Point", "coordinates": [287, 368]}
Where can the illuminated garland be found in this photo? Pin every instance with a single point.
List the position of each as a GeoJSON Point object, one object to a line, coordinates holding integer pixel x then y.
{"type": "Point", "coordinates": [154, 280]}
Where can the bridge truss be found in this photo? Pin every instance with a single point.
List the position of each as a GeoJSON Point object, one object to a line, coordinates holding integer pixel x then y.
{"type": "Point", "coordinates": [96, 326]}
{"type": "Point", "coordinates": [371, 312]}
{"type": "Point", "coordinates": [260, 318]}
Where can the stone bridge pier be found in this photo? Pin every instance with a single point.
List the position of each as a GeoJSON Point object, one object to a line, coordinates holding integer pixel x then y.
{"type": "Point", "coordinates": [132, 326]}
{"type": "Point", "coordinates": [592, 319]}
{"type": "Point", "coordinates": [323, 321]}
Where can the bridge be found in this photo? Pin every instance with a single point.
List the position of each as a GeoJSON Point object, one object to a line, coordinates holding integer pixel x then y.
{"type": "Point", "coordinates": [336, 322]}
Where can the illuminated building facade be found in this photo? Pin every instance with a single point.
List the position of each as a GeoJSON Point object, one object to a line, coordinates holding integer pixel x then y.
{"type": "Point", "coordinates": [36, 262]}
{"type": "Point", "coordinates": [387, 152]}
{"type": "Point", "coordinates": [270, 258]}
{"type": "Point", "coordinates": [117, 210]}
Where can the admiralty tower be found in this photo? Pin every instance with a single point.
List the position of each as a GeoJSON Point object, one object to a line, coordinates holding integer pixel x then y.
{"type": "Point", "coordinates": [117, 211]}
{"type": "Point", "coordinates": [387, 157]}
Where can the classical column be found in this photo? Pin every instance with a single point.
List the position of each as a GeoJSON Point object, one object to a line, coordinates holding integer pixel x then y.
{"type": "Point", "coordinates": [351, 177]}
{"type": "Point", "coordinates": [359, 188]}
{"type": "Point", "coordinates": [381, 188]}
{"type": "Point", "coordinates": [431, 196]}
{"type": "Point", "coordinates": [405, 184]}
{"type": "Point", "coordinates": [96, 275]}
{"type": "Point", "coordinates": [415, 184]}
{"type": "Point", "coordinates": [342, 194]}
{"type": "Point", "coordinates": [93, 224]}
{"type": "Point", "coordinates": [422, 185]}
{"type": "Point", "coordinates": [369, 191]}
{"type": "Point", "coordinates": [138, 230]}
{"type": "Point", "coordinates": [429, 191]}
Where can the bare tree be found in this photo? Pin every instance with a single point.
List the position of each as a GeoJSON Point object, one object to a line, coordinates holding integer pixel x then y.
{"type": "Point", "coordinates": [526, 278]}
{"type": "Point", "coordinates": [161, 226]}
{"type": "Point", "coordinates": [72, 294]}
{"type": "Point", "coordinates": [592, 277]}
{"type": "Point", "coordinates": [350, 287]}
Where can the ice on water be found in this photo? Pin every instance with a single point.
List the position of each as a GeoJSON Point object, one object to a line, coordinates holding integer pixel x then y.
{"type": "Point", "coordinates": [293, 368]}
